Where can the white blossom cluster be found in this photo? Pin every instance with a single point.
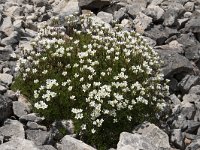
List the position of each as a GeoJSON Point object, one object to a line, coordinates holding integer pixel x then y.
{"type": "Point", "coordinates": [97, 72]}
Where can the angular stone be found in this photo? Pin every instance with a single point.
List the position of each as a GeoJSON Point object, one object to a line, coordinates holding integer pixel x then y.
{"type": "Point", "coordinates": [177, 138]}
{"type": "Point", "coordinates": [174, 63]}
{"type": "Point", "coordinates": [155, 12]}
{"type": "Point", "coordinates": [190, 98]}
{"type": "Point", "coordinates": [46, 147]}
{"type": "Point", "coordinates": [19, 144]}
{"type": "Point", "coordinates": [93, 4]}
{"type": "Point", "coordinates": [142, 22]}
{"type": "Point", "coordinates": [136, 141]}
{"type": "Point", "coordinates": [194, 145]}
{"type": "Point", "coordinates": [30, 117]}
{"type": "Point", "coordinates": [40, 3]}
{"type": "Point", "coordinates": [11, 95]}
{"type": "Point", "coordinates": [192, 126]}
{"type": "Point", "coordinates": [7, 26]}
{"type": "Point", "coordinates": [195, 90]}
{"type": "Point", "coordinates": [39, 137]}
{"type": "Point", "coordinates": [193, 25]}
{"type": "Point", "coordinates": [35, 126]}
{"type": "Point", "coordinates": [118, 15]}
{"type": "Point", "coordinates": [106, 17]}
{"type": "Point", "coordinates": [12, 39]}
{"type": "Point", "coordinates": [5, 53]}
{"type": "Point", "coordinates": [12, 129]}
{"type": "Point", "coordinates": [187, 15]}
{"type": "Point", "coordinates": [187, 82]}
{"type": "Point", "coordinates": [5, 108]}
{"type": "Point", "coordinates": [20, 109]}
{"type": "Point", "coordinates": [14, 11]}
{"type": "Point", "coordinates": [134, 9]}
{"type": "Point", "coordinates": [73, 144]}
{"type": "Point", "coordinates": [3, 89]}
{"type": "Point", "coordinates": [154, 134]}
{"type": "Point", "coordinates": [189, 6]}
{"type": "Point", "coordinates": [187, 110]}
{"type": "Point", "coordinates": [65, 8]}
{"type": "Point", "coordinates": [175, 100]}
{"type": "Point", "coordinates": [6, 78]}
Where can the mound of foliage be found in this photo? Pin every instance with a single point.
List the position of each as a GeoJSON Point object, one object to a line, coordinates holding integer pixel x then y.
{"type": "Point", "coordinates": [106, 80]}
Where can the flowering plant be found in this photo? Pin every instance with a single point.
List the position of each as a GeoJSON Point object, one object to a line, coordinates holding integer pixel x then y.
{"type": "Point", "coordinates": [104, 79]}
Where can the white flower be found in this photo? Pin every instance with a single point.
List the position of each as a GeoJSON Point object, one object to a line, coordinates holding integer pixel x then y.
{"type": "Point", "coordinates": [83, 126]}
{"type": "Point", "coordinates": [36, 81]}
{"type": "Point", "coordinates": [93, 131]}
{"type": "Point", "coordinates": [64, 73]}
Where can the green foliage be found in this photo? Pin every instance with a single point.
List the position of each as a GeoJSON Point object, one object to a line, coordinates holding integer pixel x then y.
{"type": "Point", "coordinates": [105, 80]}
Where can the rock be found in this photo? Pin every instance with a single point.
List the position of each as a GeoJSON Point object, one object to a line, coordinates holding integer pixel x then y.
{"type": "Point", "coordinates": [6, 78]}
{"type": "Point", "coordinates": [187, 15]}
{"type": "Point", "coordinates": [127, 24]}
{"type": "Point", "coordinates": [11, 95]}
{"type": "Point", "coordinates": [12, 39]}
{"type": "Point", "coordinates": [177, 138]}
{"type": "Point", "coordinates": [46, 147]}
{"type": "Point", "coordinates": [195, 90]}
{"type": "Point", "coordinates": [156, 2]}
{"type": "Point", "coordinates": [160, 34]}
{"type": "Point", "coordinates": [175, 100]}
{"type": "Point", "coordinates": [73, 144]}
{"type": "Point", "coordinates": [97, 20]}
{"type": "Point", "coordinates": [134, 9]}
{"type": "Point", "coordinates": [30, 117]}
{"type": "Point", "coordinates": [93, 4]}
{"type": "Point", "coordinates": [187, 82]}
{"type": "Point", "coordinates": [3, 89]}
{"type": "Point", "coordinates": [5, 108]}
{"type": "Point", "coordinates": [106, 17]}
{"type": "Point", "coordinates": [19, 144]}
{"type": "Point", "coordinates": [7, 26]}
{"type": "Point", "coordinates": [30, 33]}
{"type": "Point", "coordinates": [154, 12]}
{"type": "Point", "coordinates": [150, 41]}
{"type": "Point", "coordinates": [40, 3]}
{"type": "Point", "coordinates": [136, 141]}
{"type": "Point", "coordinates": [20, 109]}
{"type": "Point", "coordinates": [187, 110]}
{"type": "Point", "coordinates": [39, 137]}
{"type": "Point", "coordinates": [65, 8]}
{"type": "Point", "coordinates": [35, 126]}
{"type": "Point", "coordinates": [5, 53]}
{"type": "Point", "coordinates": [173, 85]}
{"type": "Point", "coordinates": [142, 22]}
{"type": "Point", "coordinates": [194, 145]}
{"type": "Point", "coordinates": [14, 11]}
{"type": "Point", "coordinates": [193, 52]}
{"type": "Point", "coordinates": [193, 25]}
{"type": "Point", "coordinates": [120, 14]}
{"type": "Point", "coordinates": [182, 22]}
{"type": "Point", "coordinates": [189, 6]}
{"type": "Point", "coordinates": [12, 129]}
{"type": "Point", "coordinates": [190, 98]}
{"type": "Point", "coordinates": [192, 126]}
{"type": "Point", "coordinates": [176, 46]}
{"type": "Point", "coordinates": [172, 13]}
{"type": "Point", "coordinates": [197, 112]}
{"type": "Point", "coordinates": [174, 63]}
{"type": "Point", "coordinates": [154, 134]}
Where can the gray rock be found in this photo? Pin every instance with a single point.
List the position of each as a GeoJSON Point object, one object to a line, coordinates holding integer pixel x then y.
{"type": "Point", "coordinates": [156, 2]}
{"type": "Point", "coordinates": [19, 144]}
{"type": "Point", "coordinates": [14, 11]}
{"type": "Point", "coordinates": [175, 100]}
{"type": "Point", "coordinates": [173, 85]}
{"type": "Point", "coordinates": [40, 3]}
{"type": "Point", "coordinates": [12, 39]}
{"type": "Point", "coordinates": [192, 126]}
{"type": "Point", "coordinates": [193, 52]}
{"type": "Point", "coordinates": [177, 138]}
{"type": "Point", "coordinates": [150, 41]}
{"type": "Point", "coordinates": [181, 22]}
{"type": "Point", "coordinates": [155, 12]}
{"type": "Point", "coordinates": [187, 110]}
{"type": "Point", "coordinates": [5, 53]}
{"type": "Point", "coordinates": [172, 13]}
{"type": "Point", "coordinates": [35, 126]}
{"type": "Point", "coordinates": [106, 17]}
{"type": "Point", "coordinates": [136, 141]}
{"type": "Point", "coordinates": [3, 89]}
{"type": "Point", "coordinates": [46, 147]}
{"type": "Point", "coordinates": [30, 33]}
{"type": "Point", "coordinates": [187, 14]}
{"type": "Point", "coordinates": [189, 6]}
{"type": "Point", "coordinates": [193, 25]}
{"type": "Point", "coordinates": [154, 134]}
{"type": "Point", "coordinates": [12, 129]}
{"type": "Point", "coordinates": [5, 108]}
{"type": "Point", "coordinates": [6, 78]}
{"type": "Point", "coordinates": [65, 8]}
{"type": "Point", "coordinates": [194, 145]}
{"type": "Point", "coordinates": [190, 98]}
{"type": "Point", "coordinates": [187, 82]}
{"type": "Point", "coordinates": [20, 109]}
{"type": "Point", "coordinates": [160, 34]}
{"type": "Point", "coordinates": [38, 136]}
{"type": "Point", "coordinates": [93, 4]}
{"type": "Point", "coordinates": [7, 26]}
{"type": "Point", "coordinates": [174, 63]}
{"type": "Point", "coordinates": [127, 24]}
{"type": "Point", "coordinates": [176, 46]}
{"type": "Point", "coordinates": [195, 90]}
{"type": "Point", "coordinates": [73, 144]}
{"type": "Point", "coordinates": [11, 95]}
{"type": "Point", "coordinates": [30, 117]}
{"type": "Point", "coordinates": [142, 22]}
{"type": "Point", "coordinates": [134, 9]}
{"type": "Point", "coordinates": [197, 112]}
{"type": "Point", "coordinates": [120, 14]}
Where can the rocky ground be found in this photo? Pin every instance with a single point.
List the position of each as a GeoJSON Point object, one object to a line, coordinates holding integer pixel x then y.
{"type": "Point", "coordinates": [172, 27]}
